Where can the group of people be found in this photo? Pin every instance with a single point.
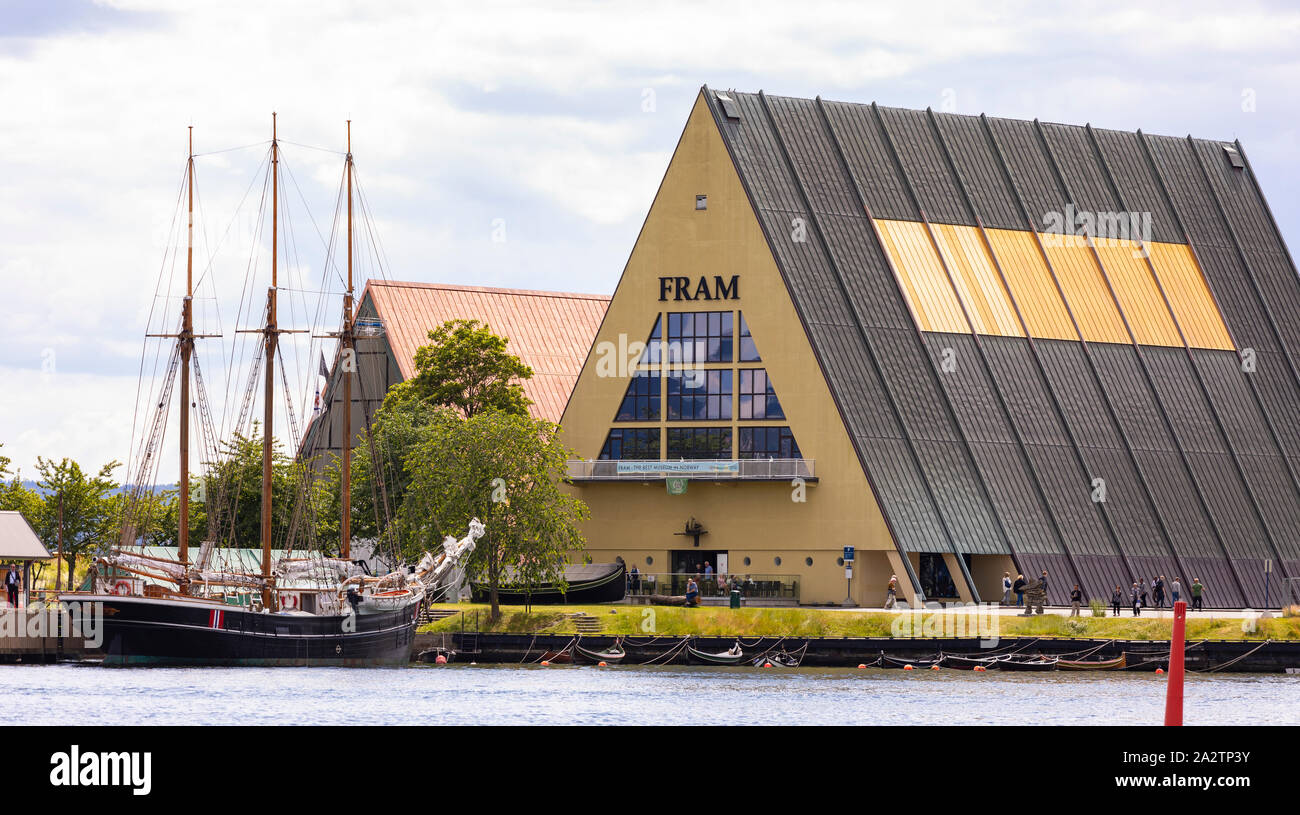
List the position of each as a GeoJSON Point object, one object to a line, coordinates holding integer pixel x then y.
{"type": "Point", "coordinates": [1017, 587]}
{"type": "Point", "coordinates": [703, 583]}
{"type": "Point", "coordinates": [1139, 596]}
{"type": "Point", "coordinates": [1139, 592]}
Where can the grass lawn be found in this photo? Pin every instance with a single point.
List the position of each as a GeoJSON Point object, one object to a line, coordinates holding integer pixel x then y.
{"type": "Point", "coordinates": [709, 621]}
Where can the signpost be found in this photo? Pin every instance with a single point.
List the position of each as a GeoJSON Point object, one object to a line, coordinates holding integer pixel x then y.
{"type": "Point", "coordinates": [849, 553]}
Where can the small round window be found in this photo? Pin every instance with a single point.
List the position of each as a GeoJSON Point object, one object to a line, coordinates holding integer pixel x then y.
{"type": "Point", "coordinates": [777, 560]}
{"type": "Point", "coordinates": [747, 561]}
{"type": "Point", "coordinates": [649, 560]}
{"type": "Point", "coordinates": [807, 561]}
{"type": "Point", "coordinates": [839, 561]}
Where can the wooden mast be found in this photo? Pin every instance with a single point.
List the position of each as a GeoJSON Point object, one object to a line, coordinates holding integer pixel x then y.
{"type": "Point", "coordinates": [268, 410]}
{"type": "Point", "coordinates": [187, 349]}
{"type": "Point", "coordinates": [349, 362]}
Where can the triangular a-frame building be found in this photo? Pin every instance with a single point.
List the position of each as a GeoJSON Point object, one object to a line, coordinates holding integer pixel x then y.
{"type": "Point", "coordinates": [993, 346]}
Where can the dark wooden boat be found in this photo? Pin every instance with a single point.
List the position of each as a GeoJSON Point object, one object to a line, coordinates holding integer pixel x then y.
{"type": "Point", "coordinates": [887, 661]}
{"type": "Point", "coordinates": [583, 584]}
{"type": "Point", "coordinates": [185, 631]}
{"type": "Point", "coordinates": [732, 657]}
{"type": "Point", "coordinates": [668, 600]}
{"type": "Point", "coordinates": [1119, 663]}
{"type": "Point", "coordinates": [563, 657]}
{"type": "Point", "coordinates": [962, 663]}
{"type": "Point", "coordinates": [1028, 664]}
{"type": "Point", "coordinates": [611, 656]}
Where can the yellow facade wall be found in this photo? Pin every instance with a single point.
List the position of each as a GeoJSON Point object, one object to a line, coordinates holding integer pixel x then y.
{"type": "Point", "coordinates": [758, 520]}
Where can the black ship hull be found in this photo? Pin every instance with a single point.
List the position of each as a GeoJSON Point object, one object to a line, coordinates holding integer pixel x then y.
{"type": "Point", "coordinates": [585, 585]}
{"type": "Point", "coordinates": [148, 631]}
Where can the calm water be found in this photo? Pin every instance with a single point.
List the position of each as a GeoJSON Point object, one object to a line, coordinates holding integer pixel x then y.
{"type": "Point", "coordinates": [464, 694]}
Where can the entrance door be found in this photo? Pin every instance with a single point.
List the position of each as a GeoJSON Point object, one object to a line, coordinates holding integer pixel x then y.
{"type": "Point", "coordinates": [936, 581]}
{"type": "Point", "coordinates": [691, 562]}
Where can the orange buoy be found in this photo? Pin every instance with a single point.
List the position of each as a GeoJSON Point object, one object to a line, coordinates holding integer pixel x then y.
{"type": "Point", "coordinates": [934, 667]}
{"type": "Point", "coordinates": [860, 665]}
{"type": "Point", "coordinates": [603, 664]}
{"type": "Point", "coordinates": [767, 665]}
{"type": "Point", "coordinates": [440, 660]}
{"type": "Point", "coordinates": [544, 662]}
{"type": "Point", "coordinates": [1160, 670]}
{"type": "Point", "coordinates": [979, 668]}
{"type": "Point", "coordinates": [908, 668]}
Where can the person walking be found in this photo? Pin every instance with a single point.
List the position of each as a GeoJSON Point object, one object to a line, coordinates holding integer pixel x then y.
{"type": "Point", "coordinates": [891, 591]}
{"type": "Point", "coordinates": [1135, 595]}
{"type": "Point", "coordinates": [1176, 590]}
{"type": "Point", "coordinates": [13, 581]}
{"type": "Point", "coordinates": [1142, 589]}
{"type": "Point", "coordinates": [1044, 586]}
{"type": "Point", "coordinates": [1116, 598]}
{"type": "Point", "coordinates": [1019, 588]}
{"type": "Point", "coordinates": [1198, 589]}
{"type": "Point", "coordinates": [1076, 599]}
{"type": "Point", "coordinates": [636, 579]}
{"type": "Point", "coordinates": [1158, 590]}
{"type": "Point", "coordinates": [1006, 588]}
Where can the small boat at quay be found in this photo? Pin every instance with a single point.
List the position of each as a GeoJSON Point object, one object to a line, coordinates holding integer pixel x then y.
{"type": "Point", "coordinates": [1119, 663]}
{"type": "Point", "coordinates": [562, 657]}
{"type": "Point", "coordinates": [887, 661]}
{"type": "Point", "coordinates": [1036, 663]}
{"type": "Point", "coordinates": [780, 659]}
{"type": "Point", "coordinates": [613, 655]}
{"type": "Point", "coordinates": [961, 663]}
{"type": "Point", "coordinates": [733, 656]}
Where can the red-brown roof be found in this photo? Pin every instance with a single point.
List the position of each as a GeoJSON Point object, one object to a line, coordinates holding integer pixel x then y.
{"type": "Point", "coordinates": [550, 331]}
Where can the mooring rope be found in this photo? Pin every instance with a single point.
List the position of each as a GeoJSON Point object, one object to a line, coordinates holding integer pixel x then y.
{"type": "Point", "coordinates": [671, 652]}
{"type": "Point", "coordinates": [530, 649]}
{"type": "Point", "coordinates": [1234, 660]}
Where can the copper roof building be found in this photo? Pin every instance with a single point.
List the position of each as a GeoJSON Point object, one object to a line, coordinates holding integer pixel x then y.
{"type": "Point", "coordinates": [549, 331]}
{"type": "Point", "coordinates": [961, 345]}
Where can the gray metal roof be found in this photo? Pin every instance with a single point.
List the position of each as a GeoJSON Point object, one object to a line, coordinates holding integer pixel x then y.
{"type": "Point", "coordinates": [1202, 460]}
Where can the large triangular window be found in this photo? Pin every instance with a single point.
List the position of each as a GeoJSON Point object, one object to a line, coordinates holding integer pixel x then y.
{"type": "Point", "coordinates": [748, 350]}
{"type": "Point", "coordinates": [653, 352]}
{"type": "Point", "coordinates": [757, 396]}
{"type": "Point", "coordinates": [641, 400]}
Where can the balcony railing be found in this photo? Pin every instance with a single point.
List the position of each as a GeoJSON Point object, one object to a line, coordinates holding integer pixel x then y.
{"type": "Point", "coordinates": [752, 586]}
{"type": "Point", "coordinates": [744, 469]}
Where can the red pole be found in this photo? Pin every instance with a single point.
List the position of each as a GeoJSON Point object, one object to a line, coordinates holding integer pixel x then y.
{"type": "Point", "coordinates": [1174, 692]}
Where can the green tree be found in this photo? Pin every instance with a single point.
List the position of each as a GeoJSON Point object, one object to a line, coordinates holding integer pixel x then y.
{"type": "Point", "coordinates": [232, 506]}
{"type": "Point", "coordinates": [467, 367]}
{"type": "Point", "coordinates": [91, 512]}
{"type": "Point", "coordinates": [15, 495]}
{"type": "Point", "coordinates": [508, 471]}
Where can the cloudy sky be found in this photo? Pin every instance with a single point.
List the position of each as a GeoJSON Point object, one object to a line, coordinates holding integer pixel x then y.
{"type": "Point", "coordinates": [504, 145]}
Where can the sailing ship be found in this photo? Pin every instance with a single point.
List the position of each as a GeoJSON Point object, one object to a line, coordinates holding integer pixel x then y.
{"type": "Point", "coordinates": [302, 609]}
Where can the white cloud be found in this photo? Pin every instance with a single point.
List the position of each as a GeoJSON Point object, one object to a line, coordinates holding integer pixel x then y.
{"type": "Point", "coordinates": [527, 112]}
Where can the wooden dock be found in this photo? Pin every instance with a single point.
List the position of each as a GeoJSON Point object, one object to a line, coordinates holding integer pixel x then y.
{"type": "Point", "coordinates": [34, 635]}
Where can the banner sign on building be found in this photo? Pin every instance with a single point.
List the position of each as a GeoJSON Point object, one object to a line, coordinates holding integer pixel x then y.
{"type": "Point", "coordinates": [677, 486]}
{"type": "Point", "coordinates": [706, 467]}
